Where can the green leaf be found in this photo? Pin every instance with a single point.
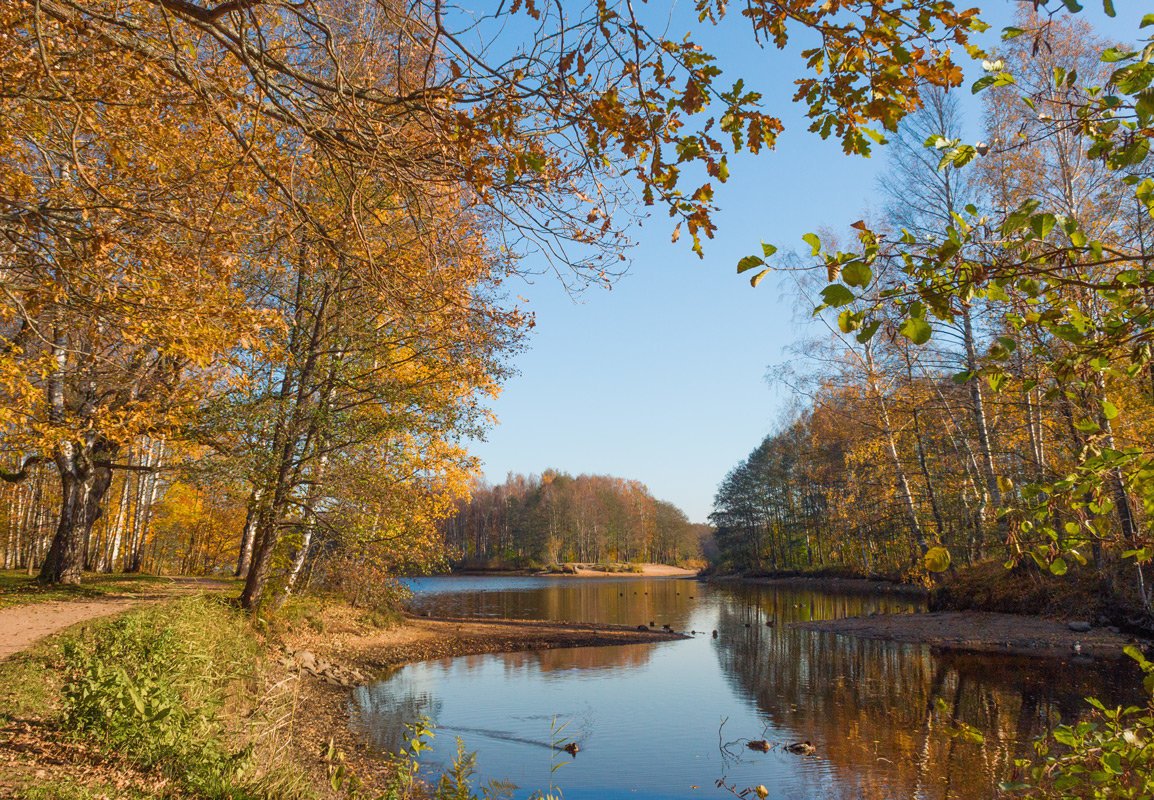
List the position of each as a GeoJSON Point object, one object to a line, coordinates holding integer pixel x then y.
{"type": "Point", "coordinates": [813, 242]}
{"type": "Point", "coordinates": [1113, 54]}
{"type": "Point", "coordinates": [1108, 7]}
{"type": "Point", "coordinates": [767, 249]}
{"type": "Point", "coordinates": [857, 273]}
{"type": "Point", "coordinates": [1064, 735]}
{"type": "Point", "coordinates": [1058, 566]}
{"type": "Point", "coordinates": [756, 279]}
{"type": "Point", "coordinates": [916, 330]}
{"type": "Point", "coordinates": [849, 321]}
{"type": "Point", "coordinates": [1042, 224]}
{"type": "Point", "coordinates": [1109, 409]}
{"type": "Point", "coordinates": [982, 83]}
{"type": "Point", "coordinates": [137, 700]}
{"type": "Point", "coordinates": [868, 331]}
{"type": "Point", "coordinates": [937, 559]}
{"type": "Point", "coordinates": [1147, 21]}
{"type": "Point", "coordinates": [837, 295]}
{"type": "Point", "coordinates": [749, 262]}
{"type": "Point", "coordinates": [1020, 216]}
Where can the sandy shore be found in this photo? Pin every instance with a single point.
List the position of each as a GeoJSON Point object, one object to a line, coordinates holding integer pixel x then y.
{"type": "Point", "coordinates": [323, 709]}
{"type": "Point", "coordinates": [982, 632]}
{"type": "Point", "coordinates": [647, 571]}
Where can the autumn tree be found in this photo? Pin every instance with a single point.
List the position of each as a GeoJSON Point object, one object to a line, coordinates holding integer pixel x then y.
{"type": "Point", "coordinates": [1054, 248]}
{"type": "Point", "coordinates": [154, 142]}
{"type": "Point", "coordinates": [555, 517]}
{"type": "Point", "coordinates": [123, 209]}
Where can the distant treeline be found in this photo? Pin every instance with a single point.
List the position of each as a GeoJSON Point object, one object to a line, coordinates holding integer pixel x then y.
{"type": "Point", "coordinates": [555, 517]}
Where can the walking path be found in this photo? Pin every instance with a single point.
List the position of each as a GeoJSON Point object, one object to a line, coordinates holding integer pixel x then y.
{"type": "Point", "coordinates": [21, 626]}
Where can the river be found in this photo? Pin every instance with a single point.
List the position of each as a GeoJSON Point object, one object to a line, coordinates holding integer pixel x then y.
{"type": "Point", "coordinates": [670, 720]}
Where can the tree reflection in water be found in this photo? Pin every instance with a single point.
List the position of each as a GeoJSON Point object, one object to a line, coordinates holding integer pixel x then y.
{"type": "Point", "coordinates": [879, 714]}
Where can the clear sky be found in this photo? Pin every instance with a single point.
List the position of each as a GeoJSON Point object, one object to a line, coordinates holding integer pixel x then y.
{"type": "Point", "coordinates": [663, 378]}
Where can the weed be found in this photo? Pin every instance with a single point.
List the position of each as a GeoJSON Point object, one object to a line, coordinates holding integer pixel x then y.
{"type": "Point", "coordinates": [152, 686]}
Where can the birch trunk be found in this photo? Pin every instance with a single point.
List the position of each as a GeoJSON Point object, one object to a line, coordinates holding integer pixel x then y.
{"type": "Point", "coordinates": [978, 407]}
{"type": "Point", "coordinates": [249, 533]}
{"type": "Point", "coordinates": [892, 448]}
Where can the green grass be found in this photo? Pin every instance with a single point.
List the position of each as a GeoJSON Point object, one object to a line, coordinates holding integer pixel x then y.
{"type": "Point", "coordinates": [173, 692]}
{"type": "Point", "coordinates": [16, 588]}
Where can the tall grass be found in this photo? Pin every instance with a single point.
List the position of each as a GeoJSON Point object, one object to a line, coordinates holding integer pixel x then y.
{"type": "Point", "coordinates": [176, 689]}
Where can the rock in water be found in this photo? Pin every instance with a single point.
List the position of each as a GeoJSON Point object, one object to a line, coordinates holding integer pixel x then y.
{"type": "Point", "coordinates": [1079, 626]}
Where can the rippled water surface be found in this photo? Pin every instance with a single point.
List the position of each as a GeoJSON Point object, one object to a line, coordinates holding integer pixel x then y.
{"type": "Point", "coordinates": [669, 720]}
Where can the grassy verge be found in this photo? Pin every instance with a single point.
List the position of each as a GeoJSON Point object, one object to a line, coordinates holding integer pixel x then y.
{"type": "Point", "coordinates": [171, 700]}
{"type": "Point", "coordinates": [189, 698]}
{"type": "Point", "coordinates": [16, 588]}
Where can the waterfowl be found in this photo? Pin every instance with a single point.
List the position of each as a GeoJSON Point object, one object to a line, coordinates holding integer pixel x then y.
{"type": "Point", "coordinates": [571, 748]}
{"type": "Point", "coordinates": [801, 748]}
{"type": "Point", "coordinates": [758, 744]}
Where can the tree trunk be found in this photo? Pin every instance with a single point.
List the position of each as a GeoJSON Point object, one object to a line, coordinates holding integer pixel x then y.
{"type": "Point", "coordinates": [121, 518]}
{"type": "Point", "coordinates": [892, 449]}
{"type": "Point", "coordinates": [979, 411]}
{"type": "Point", "coordinates": [82, 488]}
{"type": "Point", "coordinates": [249, 533]}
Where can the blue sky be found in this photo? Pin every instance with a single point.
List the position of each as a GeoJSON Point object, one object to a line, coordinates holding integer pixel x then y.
{"type": "Point", "coordinates": [662, 379]}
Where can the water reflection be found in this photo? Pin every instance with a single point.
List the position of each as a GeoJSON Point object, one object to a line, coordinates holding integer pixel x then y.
{"type": "Point", "coordinates": [648, 719]}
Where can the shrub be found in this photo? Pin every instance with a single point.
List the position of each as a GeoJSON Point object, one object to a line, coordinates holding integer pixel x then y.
{"type": "Point", "coordinates": [151, 685]}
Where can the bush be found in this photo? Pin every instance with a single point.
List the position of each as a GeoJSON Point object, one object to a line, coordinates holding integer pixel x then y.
{"type": "Point", "coordinates": [1108, 755]}
{"type": "Point", "coordinates": [361, 581]}
{"type": "Point", "coordinates": [151, 684]}
{"type": "Point", "coordinates": [561, 569]}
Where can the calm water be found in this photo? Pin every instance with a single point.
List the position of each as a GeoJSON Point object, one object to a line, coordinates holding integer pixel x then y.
{"type": "Point", "coordinates": [669, 720]}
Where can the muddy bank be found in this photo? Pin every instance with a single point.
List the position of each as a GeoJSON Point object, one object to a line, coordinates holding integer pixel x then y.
{"type": "Point", "coordinates": [827, 583]}
{"type": "Point", "coordinates": [323, 709]}
{"type": "Point", "coordinates": [979, 631]}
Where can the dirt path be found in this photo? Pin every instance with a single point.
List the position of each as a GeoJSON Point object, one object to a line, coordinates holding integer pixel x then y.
{"type": "Point", "coordinates": [21, 626]}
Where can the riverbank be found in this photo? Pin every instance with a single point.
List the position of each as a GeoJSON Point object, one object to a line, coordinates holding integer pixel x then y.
{"type": "Point", "coordinates": [344, 639]}
{"type": "Point", "coordinates": [986, 632]}
{"type": "Point", "coordinates": [237, 693]}
{"type": "Point", "coordinates": [578, 570]}
{"type": "Point", "coordinates": [965, 620]}
{"type": "Point", "coordinates": [827, 583]}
